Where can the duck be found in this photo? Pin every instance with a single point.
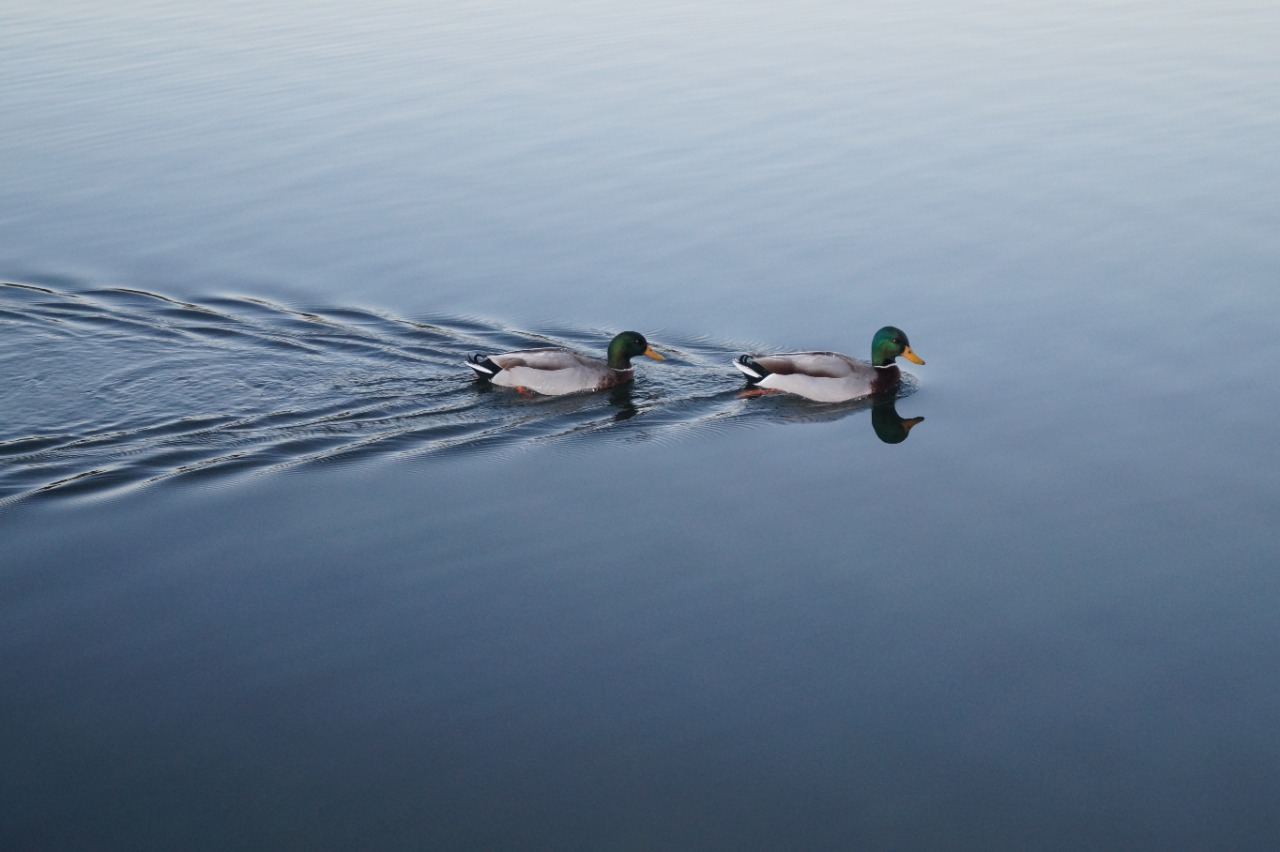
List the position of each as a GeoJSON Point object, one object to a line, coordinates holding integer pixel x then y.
{"type": "Point", "coordinates": [830, 376]}
{"type": "Point", "coordinates": [553, 370]}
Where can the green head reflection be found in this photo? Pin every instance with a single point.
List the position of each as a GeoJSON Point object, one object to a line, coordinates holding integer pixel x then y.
{"type": "Point", "coordinates": [889, 425]}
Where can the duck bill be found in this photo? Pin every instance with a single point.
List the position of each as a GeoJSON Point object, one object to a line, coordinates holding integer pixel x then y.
{"type": "Point", "coordinates": [649, 351]}
{"type": "Point", "coordinates": [911, 356]}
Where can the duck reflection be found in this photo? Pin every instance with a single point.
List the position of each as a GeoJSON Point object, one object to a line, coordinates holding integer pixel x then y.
{"type": "Point", "coordinates": [569, 412]}
{"type": "Point", "coordinates": [890, 427]}
{"type": "Point", "coordinates": [620, 398]}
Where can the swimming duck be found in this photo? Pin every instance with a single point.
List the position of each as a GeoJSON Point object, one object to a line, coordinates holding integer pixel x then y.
{"type": "Point", "coordinates": [553, 370]}
{"type": "Point", "coordinates": [830, 376]}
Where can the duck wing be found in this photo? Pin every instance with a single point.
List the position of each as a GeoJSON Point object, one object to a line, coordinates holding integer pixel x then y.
{"type": "Point", "coordinates": [818, 365]}
{"type": "Point", "coordinates": [549, 358]}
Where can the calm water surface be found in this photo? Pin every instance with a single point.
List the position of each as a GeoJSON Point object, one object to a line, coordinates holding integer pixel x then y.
{"type": "Point", "coordinates": [278, 574]}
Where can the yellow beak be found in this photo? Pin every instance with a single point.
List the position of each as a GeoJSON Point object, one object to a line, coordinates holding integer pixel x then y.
{"type": "Point", "coordinates": [649, 351]}
{"type": "Point", "coordinates": [911, 356]}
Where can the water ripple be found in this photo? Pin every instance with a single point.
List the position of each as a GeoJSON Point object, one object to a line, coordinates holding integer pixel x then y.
{"type": "Point", "coordinates": [113, 389]}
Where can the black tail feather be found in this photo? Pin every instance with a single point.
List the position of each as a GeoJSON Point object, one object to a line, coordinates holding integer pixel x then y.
{"type": "Point", "coordinates": [483, 365]}
{"type": "Point", "coordinates": [754, 366]}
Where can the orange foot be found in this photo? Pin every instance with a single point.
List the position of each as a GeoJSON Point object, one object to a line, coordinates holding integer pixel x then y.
{"type": "Point", "coordinates": [524, 390]}
{"type": "Point", "coordinates": [752, 392]}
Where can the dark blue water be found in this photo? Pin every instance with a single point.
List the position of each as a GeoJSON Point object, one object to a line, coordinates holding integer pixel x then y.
{"type": "Point", "coordinates": [278, 574]}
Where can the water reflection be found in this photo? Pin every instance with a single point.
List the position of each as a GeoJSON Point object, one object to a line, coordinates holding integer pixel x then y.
{"type": "Point", "coordinates": [889, 426]}
{"type": "Point", "coordinates": [621, 399]}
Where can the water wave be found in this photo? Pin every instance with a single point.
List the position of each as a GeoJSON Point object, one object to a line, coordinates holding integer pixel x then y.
{"type": "Point", "coordinates": [111, 389]}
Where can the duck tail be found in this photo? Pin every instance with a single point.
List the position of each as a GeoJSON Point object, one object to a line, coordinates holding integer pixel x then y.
{"type": "Point", "coordinates": [483, 365]}
{"type": "Point", "coordinates": [751, 369]}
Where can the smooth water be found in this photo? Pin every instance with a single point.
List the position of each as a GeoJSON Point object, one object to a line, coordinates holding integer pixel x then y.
{"type": "Point", "coordinates": [278, 574]}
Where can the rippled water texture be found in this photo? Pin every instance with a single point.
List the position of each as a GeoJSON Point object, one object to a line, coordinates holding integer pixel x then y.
{"type": "Point", "coordinates": [130, 388]}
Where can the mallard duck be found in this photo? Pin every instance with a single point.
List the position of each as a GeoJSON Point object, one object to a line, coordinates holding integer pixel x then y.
{"type": "Point", "coordinates": [553, 370]}
{"type": "Point", "coordinates": [830, 376]}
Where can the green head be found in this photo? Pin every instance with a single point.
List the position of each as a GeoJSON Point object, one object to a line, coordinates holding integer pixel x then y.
{"type": "Point", "coordinates": [888, 344]}
{"type": "Point", "coordinates": [626, 346]}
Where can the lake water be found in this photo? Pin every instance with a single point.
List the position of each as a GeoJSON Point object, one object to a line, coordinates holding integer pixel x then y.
{"type": "Point", "coordinates": [278, 574]}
